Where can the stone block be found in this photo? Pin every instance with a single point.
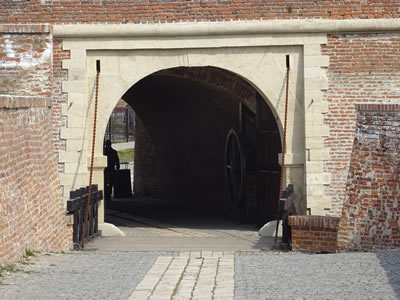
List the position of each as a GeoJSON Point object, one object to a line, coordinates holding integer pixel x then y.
{"type": "Point", "coordinates": [311, 96]}
{"type": "Point", "coordinates": [319, 205]}
{"type": "Point", "coordinates": [312, 72]}
{"type": "Point", "coordinates": [314, 119]}
{"type": "Point", "coordinates": [313, 49]}
{"type": "Point", "coordinates": [76, 121]}
{"type": "Point", "coordinates": [318, 154]}
{"type": "Point", "coordinates": [318, 178]}
{"type": "Point", "coordinates": [76, 145]}
{"type": "Point", "coordinates": [68, 156]}
{"type": "Point", "coordinates": [77, 86]}
{"type": "Point", "coordinates": [77, 105]}
{"type": "Point", "coordinates": [315, 190]}
{"type": "Point", "coordinates": [316, 106]}
{"type": "Point", "coordinates": [315, 142]}
{"type": "Point", "coordinates": [74, 167]}
{"type": "Point", "coordinates": [74, 180]}
{"type": "Point", "coordinates": [316, 83]}
{"type": "Point", "coordinates": [316, 61]}
{"type": "Point", "coordinates": [317, 131]}
{"type": "Point", "coordinates": [314, 167]}
{"type": "Point", "coordinates": [67, 133]}
{"type": "Point", "coordinates": [76, 74]}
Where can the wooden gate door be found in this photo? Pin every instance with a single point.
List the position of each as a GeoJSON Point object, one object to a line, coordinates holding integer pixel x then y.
{"type": "Point", "coordinates": [268, 145]}
{"type": "Point", "coordinates": [252, 170]}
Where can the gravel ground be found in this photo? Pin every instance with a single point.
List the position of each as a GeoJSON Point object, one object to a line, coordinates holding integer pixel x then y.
{"type": "Point", "coordinates": [78, 275]}
{"type": "Point", "coordinates": [279, 275]}
{"type": "Point", "coordinates": [258, 275]}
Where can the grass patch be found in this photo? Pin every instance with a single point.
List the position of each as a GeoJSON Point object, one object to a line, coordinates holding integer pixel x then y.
{"type": "Point", "coordinates": [30, 253]}
{"type": "Point", "coordinates": [126, 155]}
{"type": "Point", "coordinates": [13, 268]}
{"type": "Point", "coordinates": [8, 269]}
{"type": "Point", "coordinates": [4, 271]}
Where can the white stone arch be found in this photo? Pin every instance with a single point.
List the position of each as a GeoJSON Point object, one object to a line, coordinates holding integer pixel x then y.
{"type": "Point", "coordinates": [114, 74]}
{"type": "Point", "coordinates": [252, 51]}
{"type": "Point", "coordinates": [112, 102]}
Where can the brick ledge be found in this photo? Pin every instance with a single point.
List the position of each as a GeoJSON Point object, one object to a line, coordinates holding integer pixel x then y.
{"type": "Point", "coordinates": [14, 101]}
{"type": "Point", "coordinates": [25, 28]}
{"type": "Point", "coordinates": [323, 222]}
{"type": "Point", "coordinates": [378, 107]}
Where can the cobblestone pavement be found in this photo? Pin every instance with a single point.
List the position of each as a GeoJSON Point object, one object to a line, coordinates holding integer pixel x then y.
{"type": "Point", "coordinates": [78, 275]}
{"type": "Point", "coordinates": [203, 259]}
{"type": "Point", "coordinates": [277, 275]}
{"type": "Point", "coordinates": [248, 275]}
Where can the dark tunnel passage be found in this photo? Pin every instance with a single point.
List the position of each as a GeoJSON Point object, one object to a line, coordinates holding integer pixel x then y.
{"type": "Point", "coordinates": [183, 118]}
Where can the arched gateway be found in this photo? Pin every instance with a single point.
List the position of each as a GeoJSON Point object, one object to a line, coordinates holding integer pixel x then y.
{"type": "Point", "coordinates": [129, 54]}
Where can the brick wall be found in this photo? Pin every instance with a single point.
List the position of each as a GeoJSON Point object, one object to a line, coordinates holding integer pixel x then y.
{"type": "Point", "coordinates": [371, 214]}
{"type": "Point", "coordinates": [156, 11]}
{"type": "Point", "coordinates": [317, 234]}
{"type": "Point", "coordinates": [362, 68]}
{"type": "Point", "coordinates": [31, 207]}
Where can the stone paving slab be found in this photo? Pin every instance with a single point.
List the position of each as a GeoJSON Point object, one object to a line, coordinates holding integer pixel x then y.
{"type": "Point", "coordinates": [196, 275]}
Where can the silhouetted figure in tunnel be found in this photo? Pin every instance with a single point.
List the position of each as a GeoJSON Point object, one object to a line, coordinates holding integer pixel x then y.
{"type": "Point", "coordinates": [109, 171]}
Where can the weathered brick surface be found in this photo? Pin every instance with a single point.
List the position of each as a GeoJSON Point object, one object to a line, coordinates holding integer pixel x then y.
{"type": "Point", "coordinates": [314, 233]}
{"type": "Point", "coordinates": [161, 11]}
{"type": "Point", "coordinates": [32, 212]}
{"type": "Point", "coordinates": [371, 213]}
{"type": "Point", "coordinates": [25, 62]}
{"type": "Point", "coordinates": [362, 68]}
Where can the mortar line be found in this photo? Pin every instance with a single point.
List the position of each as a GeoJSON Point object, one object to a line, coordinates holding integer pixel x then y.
{"type": "Point", "coordinates": [215, 278]}
{"type": "Point", "coordinates": [155, 287]}
{"type": "Point", "coordinates": [197, 278]}
{"type": "Point", "coordinates": [180, 278]}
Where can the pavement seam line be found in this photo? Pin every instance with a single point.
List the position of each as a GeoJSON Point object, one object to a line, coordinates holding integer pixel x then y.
{"type": "Point", "coordinates": [180, 279]}
{"type": "Point", "coordinates": [197, 278]}
{"type": "Point", "coordinates": [132, 295]}
{"type": "Point", "coordinates": [215, 279]}
{"type": "Point", "coordinates": [159, 279]}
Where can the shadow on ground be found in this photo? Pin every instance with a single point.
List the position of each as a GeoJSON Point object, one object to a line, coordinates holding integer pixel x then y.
{"type": "Point", "coordinates": [392, 269]}
{"type": "Point", "coordinates": [153, 225]}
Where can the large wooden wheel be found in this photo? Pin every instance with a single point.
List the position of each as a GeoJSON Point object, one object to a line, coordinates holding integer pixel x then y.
{"type": "Point", "coordinates": [235, 167]}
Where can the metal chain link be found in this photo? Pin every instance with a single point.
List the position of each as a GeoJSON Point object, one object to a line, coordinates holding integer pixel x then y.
{"type": "Point", "coordinates": [91, 159]}
{"type": "Point", "coordinates": [283, 154]}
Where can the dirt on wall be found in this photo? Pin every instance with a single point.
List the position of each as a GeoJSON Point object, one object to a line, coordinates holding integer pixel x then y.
{"type": "Point", "coordinates": [32, 213]}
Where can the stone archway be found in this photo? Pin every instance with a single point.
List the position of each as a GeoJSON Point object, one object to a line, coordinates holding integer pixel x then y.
{"type": "Point", "coordinates": [126, 60]}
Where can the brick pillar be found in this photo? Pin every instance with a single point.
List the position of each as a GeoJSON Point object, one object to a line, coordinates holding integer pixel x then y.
{"type": "Point", "coordinates": [371, 214]}
{"type": "Point", "coordinates": [315, 234]}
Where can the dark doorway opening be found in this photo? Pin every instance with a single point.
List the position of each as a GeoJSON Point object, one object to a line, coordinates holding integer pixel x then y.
{"type": "Point", "coordinates": [183, 117]}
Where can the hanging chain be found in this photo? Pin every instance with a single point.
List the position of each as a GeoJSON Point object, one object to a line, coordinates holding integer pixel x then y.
{"type": "Point", "coordinates": [283, 151]}
{"type": "Point", "coordinates": [92, 157]}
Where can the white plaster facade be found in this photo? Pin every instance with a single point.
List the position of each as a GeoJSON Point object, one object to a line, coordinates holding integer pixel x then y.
{"type": "Point", "coordinates": [255, 51]}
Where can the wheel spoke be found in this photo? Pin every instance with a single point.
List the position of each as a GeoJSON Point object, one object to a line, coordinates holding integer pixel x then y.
{"type": "Point", "coordinates": [234, 166]}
